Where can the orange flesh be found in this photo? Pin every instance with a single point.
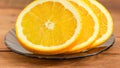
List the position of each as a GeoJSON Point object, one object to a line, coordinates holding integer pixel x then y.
{"type": "Point", "coordinates": [47, 23]}
{"type": "Point", "coordinates": [101, 17]}
{"type": "Point", "coordinates": [87, 24]}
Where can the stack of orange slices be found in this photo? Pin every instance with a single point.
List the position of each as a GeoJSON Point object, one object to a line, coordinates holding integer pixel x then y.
{"type": "Point", "coordinates": [52, 27]}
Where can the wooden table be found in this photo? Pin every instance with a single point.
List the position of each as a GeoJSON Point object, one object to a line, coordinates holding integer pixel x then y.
{"type": "Point", "coordinates": [9, 10]}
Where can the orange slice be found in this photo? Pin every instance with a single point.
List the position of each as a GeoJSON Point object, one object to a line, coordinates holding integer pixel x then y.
{"type": "Point", "coordinates": [90, 27]}
{"type": "Point", "coordinates": [105, 20]}
{"type": "Point", "coordinates": [48, 26]}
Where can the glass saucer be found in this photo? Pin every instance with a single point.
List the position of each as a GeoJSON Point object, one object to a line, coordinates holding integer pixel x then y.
{"type": "Point", "coordinates": [12, 43]}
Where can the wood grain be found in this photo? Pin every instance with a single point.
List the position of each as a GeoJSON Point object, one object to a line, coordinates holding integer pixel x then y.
{"type": "Point", "coordinates": [7, 21]}
{"type": "Point", "coordinates": [111, 3]}
{"type": "Point", "coordinates": [103, 60]}
{"type": "Point", "coordinates": [10, 9]}
{"type": "Point", "coordinates": [14, 3]}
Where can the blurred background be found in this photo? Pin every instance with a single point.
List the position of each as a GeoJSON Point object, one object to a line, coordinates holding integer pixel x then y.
{"type": "Point", "coordinates": [22, 3]}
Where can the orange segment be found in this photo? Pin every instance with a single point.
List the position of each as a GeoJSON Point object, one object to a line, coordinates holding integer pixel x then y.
{"type": "Point", "coordinates": [48, 26]}
{"type": "Point", "coordinates": [105, 20]}
{"type": "Point", "coordinates": [52, 27]}
{"type": "Point", "coordinates": [90, 27]}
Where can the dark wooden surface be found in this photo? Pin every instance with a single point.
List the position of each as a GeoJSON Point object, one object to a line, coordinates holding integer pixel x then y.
{"type": "Point", "coordinates": [9, 10]}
